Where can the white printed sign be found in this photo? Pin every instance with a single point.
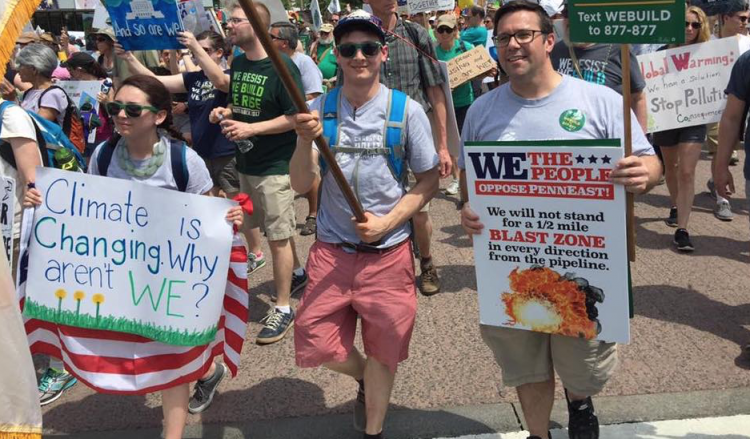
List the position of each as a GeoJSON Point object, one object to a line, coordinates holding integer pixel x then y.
{"type": "Point", "coordinates": [416, 6]}
{"type": "Point", "coordinates": [83, 94]}
{"type": "Point", "coordinates": [7, 214]}
{"type": "Point", "coordinates": [124, 256]}
{"type": "Point", "coordinates": [552, 256]}
{"type": "Point", "coordinates": [685, 85]}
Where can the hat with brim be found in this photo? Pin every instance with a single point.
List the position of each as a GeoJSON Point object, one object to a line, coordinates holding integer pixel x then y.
{"type": "Point", "coordinates": [359, 20]}
{"type": "Point", "coordinates": [27, 38]}
{"type": "Point", "coordinates": [328, 27]}
{"type": "Point", "coordinates": [448, 20]}
{"type": "Point", "coordinates": [106, 31]}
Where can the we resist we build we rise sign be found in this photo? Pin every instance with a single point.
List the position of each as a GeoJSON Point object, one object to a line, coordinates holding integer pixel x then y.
{"type": "Point", "coordinates": [552, 256]}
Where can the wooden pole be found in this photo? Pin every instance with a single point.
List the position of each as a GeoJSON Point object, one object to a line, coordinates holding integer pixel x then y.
{"type": "Point", "coordinates": [299, 101]}
{"type": "Point", "coordinates": [628, 144]}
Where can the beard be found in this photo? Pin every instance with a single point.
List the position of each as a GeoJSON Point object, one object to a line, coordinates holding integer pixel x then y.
{"type": "Point", "coordinates": [326, 41]}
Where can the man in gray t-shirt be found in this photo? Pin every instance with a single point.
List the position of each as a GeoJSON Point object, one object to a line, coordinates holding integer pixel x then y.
{"type": "Point", "coordinates": [363, 269]}
{"type": "Point", "coordinates": [531, 107]}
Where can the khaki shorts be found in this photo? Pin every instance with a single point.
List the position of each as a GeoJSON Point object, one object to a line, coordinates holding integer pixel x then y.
{"type": "Point", "coordinates": [712, 139]}
{"type": "Point", "coordinates": [273, 204]}
{"type": "Point", "coordinates": [525, 357]}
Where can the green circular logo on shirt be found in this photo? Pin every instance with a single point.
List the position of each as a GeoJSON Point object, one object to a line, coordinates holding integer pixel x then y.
{"type": "Point", "coordinates": [572, 120]}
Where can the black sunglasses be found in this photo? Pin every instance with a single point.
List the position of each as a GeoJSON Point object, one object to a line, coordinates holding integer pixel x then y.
{"type": "Point", "coordinates": [694, 25]}
{"type": "Point", "coordinates": [368, 48]}
{"type": "Point", "coordinates": [742, 18]}
{"type": "Point", "coordinates": [131, 110]}
{"type": "Point", "coordinates": [444, 30]}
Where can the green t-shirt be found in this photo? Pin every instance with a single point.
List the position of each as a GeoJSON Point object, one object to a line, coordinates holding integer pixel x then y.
{"type": "Point", "coordinates": [257, 94]}
{"type": "Point", "coordinates": [463, 95]}
{"type": "Point", "coordinates": [327, 65]}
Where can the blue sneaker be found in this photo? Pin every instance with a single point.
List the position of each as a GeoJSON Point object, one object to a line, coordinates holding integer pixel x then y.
{"type": "Point", "coordinates": [299, 283]}
{"type": "Point", "coordinates": [53, 384]}
{"type": "Point", "coordinates": [277, 324]}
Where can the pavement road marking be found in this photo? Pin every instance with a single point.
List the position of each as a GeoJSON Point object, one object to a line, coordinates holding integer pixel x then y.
{"type": "Point", "coordinates": [729, 427]}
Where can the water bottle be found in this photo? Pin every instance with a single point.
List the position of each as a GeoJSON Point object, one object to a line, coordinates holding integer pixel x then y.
{"type": "Point", "coordinates": [66, 160]}
{"type": "Point", "coordinates": [244, 145]}
{"type": "Point", "coordinates": [106, 85]}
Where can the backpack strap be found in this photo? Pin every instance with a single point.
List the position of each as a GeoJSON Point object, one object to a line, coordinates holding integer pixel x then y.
{"type": "Point", "coordinates": [178, 153]}
{"type": "Point", "coordinates": [395, 132]}
{"type": "Point", "coordinates": [105, 155]}
{"type": "Point", "coordinates": [331, 105]}
{"type": "Point", "coordinates": [6, 150]}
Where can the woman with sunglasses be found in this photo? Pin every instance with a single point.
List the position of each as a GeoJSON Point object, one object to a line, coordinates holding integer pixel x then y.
{"type": "Point", "coordinates": [105, 46]}
{"type": "Point", "coordinates": [450, 46]}
{"type": "Point", "coordinates": [681, 147]}
{"type": "Point", "coordinates": [83, 67]}
{"type": "Point", "coordinates": [142, 114]}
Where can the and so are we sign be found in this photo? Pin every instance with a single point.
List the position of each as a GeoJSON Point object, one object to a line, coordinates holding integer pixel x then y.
{"type": "Point", "coordinates": [685, 85]}
{"type": "Point", "coordinates": [469, 65]}
{"type": "Point", "coordinates": [145, 24]}
{"type": "Point", "coordinates": [552, 254]}
{"type": "Point", "coordinates": [124, 256]}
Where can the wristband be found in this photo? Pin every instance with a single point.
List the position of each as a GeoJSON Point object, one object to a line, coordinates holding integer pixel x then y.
{"type": "Point", "coordinates": [31, 186]}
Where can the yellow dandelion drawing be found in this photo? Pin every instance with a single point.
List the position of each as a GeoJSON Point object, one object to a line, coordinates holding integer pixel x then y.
{"type": "Point", "coordinates": [98, 299]}
{"type": "Point", "coordinates": [78, 296]}
{"type": "Point", "coordinates": [60, 294]}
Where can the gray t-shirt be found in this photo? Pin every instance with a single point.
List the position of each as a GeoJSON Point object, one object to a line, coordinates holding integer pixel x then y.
{"type": "Point", "coordinates": [574, 110]}
{"type": "Point", "coordinates": [376, 188]}
{"type": "Point", "coordinates": [600, 64]}
{"type": "Point", "coordinates": [199, 180]}
{"type": "Point", "coordinates": [54, 99]}
{"type": "Point", "coordinates": [312, 78]}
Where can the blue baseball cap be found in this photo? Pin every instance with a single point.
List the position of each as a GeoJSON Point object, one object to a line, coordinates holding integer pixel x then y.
{"type": "Point", "coordinates": [359, 20]}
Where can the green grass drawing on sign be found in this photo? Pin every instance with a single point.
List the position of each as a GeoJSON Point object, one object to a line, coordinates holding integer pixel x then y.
{"type": "Point", "coordinates": [164, 334]}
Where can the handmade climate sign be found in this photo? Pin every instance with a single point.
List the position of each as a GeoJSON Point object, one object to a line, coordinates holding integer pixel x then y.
{"type": "Point", "coordinates": [627, 21]}
{"type": "Point", "coordinates": [552, 255]}
{"type": "Point", "coordinates": [7, 215]}
{"type": "Point", "coordinates": [145, 24]}
{"type": "Point", "coordinates": [469, 65]}
{"type": "Point", "coordinates": [685, 85]}
{"type": "Point", "coordinates": [124, 256]}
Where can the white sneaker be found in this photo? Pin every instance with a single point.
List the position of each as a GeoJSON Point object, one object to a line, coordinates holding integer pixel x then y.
{"type": "Point", "coordinates": [452, 188]}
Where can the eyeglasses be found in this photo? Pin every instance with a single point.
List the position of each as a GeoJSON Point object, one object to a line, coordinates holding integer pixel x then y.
{"type": "Point", "coordinates": [444, 30]}
{"type": "Point", "coordinates": [525, 36]}
{"type": "Point", "coordinates": [693, 24]}
{"type": "Point", "coordinates": [102, 39]}
{"type": "Point", "coordinates": [324, 33]}
{"type": "Point", "coordinates": [742, 18]}
{"type": "Point", "coordinates": [368, 48]}
{"type": "Point", "coordinates": [236, 20]}
{"type": "Point", "coordinates": [131, 110]}
{"type": "Point", "coordinates": [274, 37]}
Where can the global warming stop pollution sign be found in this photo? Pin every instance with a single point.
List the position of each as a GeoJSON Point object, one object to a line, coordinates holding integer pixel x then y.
{"type": "Point", "coordinates": [627, 21]}
{"type": "Point", "coordinates": [552, 255]}
{"type": "Point", "coordinates": [123, 256]}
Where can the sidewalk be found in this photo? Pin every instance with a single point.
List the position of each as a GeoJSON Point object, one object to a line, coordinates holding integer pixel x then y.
{"type": "Point", "coordinates": [728, 427]}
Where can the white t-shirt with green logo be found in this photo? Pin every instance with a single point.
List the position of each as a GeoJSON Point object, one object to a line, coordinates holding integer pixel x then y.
{"type": "Point", "coordinates": [574, 110]}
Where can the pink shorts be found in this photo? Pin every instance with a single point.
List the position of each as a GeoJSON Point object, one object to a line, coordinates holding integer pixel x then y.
{"type": "Point", "coordinates": [378, 288]}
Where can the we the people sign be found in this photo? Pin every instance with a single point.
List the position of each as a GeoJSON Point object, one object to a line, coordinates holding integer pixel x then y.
{"type": "Point", "coordinates": [685, 85]}
{"type": "Point", "coordinates": [552, 255]}
{"type": "Point", "coordinates": [626, 21]}
{"type": "Point", "coordinates": [123, 256]}
{"type": "Point", "coordinates": [145, 24]}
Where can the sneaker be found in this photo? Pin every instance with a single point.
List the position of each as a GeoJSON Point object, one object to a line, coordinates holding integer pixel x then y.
{"type": "Point", "coordinates": [299, 282]}
{"type": "Point", "coordinates": [205, 390]}
{"type": "Point", "coordinates": [52, 385]}
{"type": "Point", "coordinates": [452, 188]}
{"type": "Point", "coordinates": [682, 240]}
{"type": "Point", "coordinates": [672, 220]}
{"type": "Point", "coordinates": [734, 159]}
{"type": "Point", "coordinates": [711, 188]}
{"type": "Point", "coordinates": [582, 420]}
{"type": "Point", "coordinates": [255, 262]}
{"type": "Point", "coordinates": [277, 324]}
{"type": "Point", "coordinates": [723, 211]}
{"type": "Point", "coordinates": [310, 226]}
{"type": "Point", "coordinates": [429, 282]}
{"type": "Point", "coordinates": [360, 414]}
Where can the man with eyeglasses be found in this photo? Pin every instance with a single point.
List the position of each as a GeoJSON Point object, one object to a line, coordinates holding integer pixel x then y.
{"type": "Point", "coordinates": [363, 269]}
{"type": "Point", "coordinates": [733, 25]}
{"type": "Point", "coordinates": [260, 121]}
{"type": "Point", "coordinates": [530, 107]}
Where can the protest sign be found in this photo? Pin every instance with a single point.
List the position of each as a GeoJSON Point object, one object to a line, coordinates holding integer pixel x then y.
{"type": "Point", "coordinates": [7, 214]}
{"type": "Point", "coordinates": [82, 92]}
{"type": "Point", "coordinates": [124, 256]}
{"type": "Point", "coordinates": [100, 16]}
{"type": "Point", "coordinates": [626, 21]}
{"type": "Point", "coordinates": [86, 4]}
{"type": "Point", "coordinates": [416, 6]}
{"type": "Point", "coordinates": [145, 24]}
{"type": "Point", "coordinates": [552, 255]}
{"type": "Point", "coordinates": [469, 65]}
{"type": "Point", "coordinates": [193, 16]}
{"type": "Point", "coordinates": [685, 85]}
{"type": "Point", "coordinates": [451, 124]}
